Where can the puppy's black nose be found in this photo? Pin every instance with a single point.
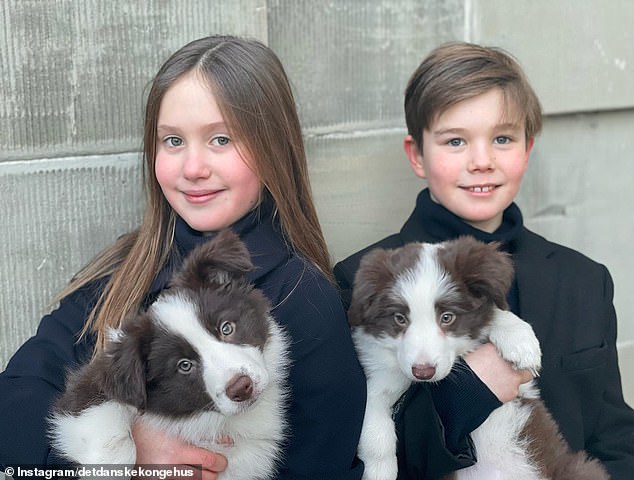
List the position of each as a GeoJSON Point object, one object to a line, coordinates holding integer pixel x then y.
{"type": "Point", "coordinates": [239, 388]}
{"type": "Point", "coordinates": [423, 371]}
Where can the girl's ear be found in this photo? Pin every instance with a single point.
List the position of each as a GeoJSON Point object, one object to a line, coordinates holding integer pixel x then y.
{"type": "Point", "coordinates": [414, 156]}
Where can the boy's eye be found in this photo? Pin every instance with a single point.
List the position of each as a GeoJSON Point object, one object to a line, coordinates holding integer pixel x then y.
{"type": "Point", "coordinates": [456, 142]}
{"type": "Point", "coordinates": [220, 140]}
{"type": "Point", "coordinates": [174, 141]}
{"type": "Point", "coordinates": [502, 140]}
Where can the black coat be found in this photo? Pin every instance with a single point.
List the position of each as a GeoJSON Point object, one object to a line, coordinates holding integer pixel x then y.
{"type": "Point", "coordinates": [567, 298]}
{"type": "Point", "coordinates": [327, 384]}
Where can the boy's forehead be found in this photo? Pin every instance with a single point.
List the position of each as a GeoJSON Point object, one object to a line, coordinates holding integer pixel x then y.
{"type": "Point", "coordinates": [498, 108]}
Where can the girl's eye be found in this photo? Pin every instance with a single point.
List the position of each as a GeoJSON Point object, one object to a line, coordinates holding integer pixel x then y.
{"type": "Point", "coordinates": [226, 328]}
{"type": "Point", "coordinates": [174, 141]}
{"type": "Point", "coordinates": [185, 366]}
{"type": "Point", "coordinates": [456, 142]}
{"type": "Point", "coordinates": [502, 140]}
{"type": "Point", "coordinates": [220, 140]}
{"type": "Point", "coordinates": [446, 318]}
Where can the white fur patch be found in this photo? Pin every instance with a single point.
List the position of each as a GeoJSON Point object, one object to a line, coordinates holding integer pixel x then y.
{"type": "Point", "coordinates": [100, 434]}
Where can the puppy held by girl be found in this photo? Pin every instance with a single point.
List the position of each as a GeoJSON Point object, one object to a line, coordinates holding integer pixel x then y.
{"type": "Point", "coordinates": [206, 362]}
{"type": "Point", "coordinates": [415, 310]}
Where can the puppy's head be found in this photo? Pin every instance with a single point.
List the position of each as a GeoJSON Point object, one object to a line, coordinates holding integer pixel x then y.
{"type": "Point", "coordinates": [430, 303]}
{"type": "Point", "coordinates": [200, 345]}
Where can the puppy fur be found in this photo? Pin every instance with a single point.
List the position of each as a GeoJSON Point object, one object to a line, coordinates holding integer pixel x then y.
{"type": "Point", "coordinates": [206, 363]}
{"type": "Point", "coordinates": [415, 310]}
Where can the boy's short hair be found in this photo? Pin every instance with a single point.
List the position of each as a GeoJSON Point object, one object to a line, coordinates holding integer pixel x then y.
{"type": "Point", "coordinates": [458, 71]}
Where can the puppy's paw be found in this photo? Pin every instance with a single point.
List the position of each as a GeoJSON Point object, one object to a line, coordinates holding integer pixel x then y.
{"type": "Point", "coordinates": [380, 469]}
{"type": "Point", "coordinates": [516, 341]}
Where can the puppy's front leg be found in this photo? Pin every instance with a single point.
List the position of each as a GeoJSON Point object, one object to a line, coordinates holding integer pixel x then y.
{"type": "Point", "coordinates": [516, 341]}
{"type": "Point", "coordinates": [377, 445]}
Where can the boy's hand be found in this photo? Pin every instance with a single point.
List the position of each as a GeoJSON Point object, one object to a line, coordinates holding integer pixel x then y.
{"type": "Point", "coordinates": [154, 447]}
{"type": "Point", "coordinates": [496, 373]}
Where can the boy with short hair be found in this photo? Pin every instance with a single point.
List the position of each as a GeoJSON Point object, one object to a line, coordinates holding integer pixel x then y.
{"type": "Point", "coordinates": [472, 117]}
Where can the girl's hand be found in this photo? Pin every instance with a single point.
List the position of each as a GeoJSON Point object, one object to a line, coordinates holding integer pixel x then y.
{"type": "Point", "coordinates": [496, 373]}
{"type": "Point", "coordinates": [154, 447]}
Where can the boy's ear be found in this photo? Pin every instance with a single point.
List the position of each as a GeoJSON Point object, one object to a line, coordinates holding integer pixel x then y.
{"type": "Point", "coordinates": [414, 156]}
{"type": "Point", "coordinates": [530, 142]}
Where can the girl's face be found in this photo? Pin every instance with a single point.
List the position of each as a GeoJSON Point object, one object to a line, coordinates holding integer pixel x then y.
{"type": "Point", "coordinates": [473, 160]}
{"type": "Point", "coordinates": [198, 165]}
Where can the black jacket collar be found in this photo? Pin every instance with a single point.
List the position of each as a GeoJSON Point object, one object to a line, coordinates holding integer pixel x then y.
{"type": "Point", "coordinates": [431, 222]}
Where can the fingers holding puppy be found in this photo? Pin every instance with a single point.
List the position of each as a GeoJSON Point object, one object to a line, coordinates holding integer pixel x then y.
{"type": "Point", "coordinates": [499, 375]}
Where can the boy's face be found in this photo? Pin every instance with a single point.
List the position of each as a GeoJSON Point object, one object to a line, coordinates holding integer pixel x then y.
{"type": "Point", "coordinates": [473, 159]}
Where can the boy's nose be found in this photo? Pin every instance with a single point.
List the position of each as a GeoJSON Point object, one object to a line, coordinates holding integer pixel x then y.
{"type": "Point", "coordinates": [482, 159]}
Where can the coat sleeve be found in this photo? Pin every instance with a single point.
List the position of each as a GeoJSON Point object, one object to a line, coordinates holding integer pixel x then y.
{"type": "Point", "coordinates": [612, 440]}
{"type": "Point", "coordinates": [34, 378]}
{"type": "Point", "coordinates": [328, 390]}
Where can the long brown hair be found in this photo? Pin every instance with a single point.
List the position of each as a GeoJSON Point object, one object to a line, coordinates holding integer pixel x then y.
{"type": "Point", "coordinates": [256, 101]}
{"type": "Point", "coordinates": [458, 71]}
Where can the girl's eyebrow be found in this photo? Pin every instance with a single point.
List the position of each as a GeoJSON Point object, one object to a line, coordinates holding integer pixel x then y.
{"type": "Point", "coordinates": [164, 128]}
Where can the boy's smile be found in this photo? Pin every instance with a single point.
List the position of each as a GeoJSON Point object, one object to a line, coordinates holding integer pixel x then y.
{"type": "Point", "coordinates": [473, 157]}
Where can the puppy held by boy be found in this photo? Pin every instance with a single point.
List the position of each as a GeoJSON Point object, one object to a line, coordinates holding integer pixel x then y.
{"type": "Point", "coordinates": [418, 308]}
{"type": "Point", "coordinates": [206, 363]}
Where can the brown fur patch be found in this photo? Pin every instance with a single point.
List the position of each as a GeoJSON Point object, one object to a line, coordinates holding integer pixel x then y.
{"type": "Point", "coordinates": [551, 452]}
{"type": "Point", "coordinates": [216, 263]}
{"type": "Point", "coordinates": [372, 298]}
{"type": "Point", "coordinates": [483, 270]}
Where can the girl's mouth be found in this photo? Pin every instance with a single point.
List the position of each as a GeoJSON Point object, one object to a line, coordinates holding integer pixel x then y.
{"type": "Point", "coordinates": [200, 196]}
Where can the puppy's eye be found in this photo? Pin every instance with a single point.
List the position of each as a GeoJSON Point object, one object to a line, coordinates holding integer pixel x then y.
{"type": "Point", "coordinates": [400, 319]}
{"type": "Point", "coordinates": [185, 366]}
{"type": "Point", "coordinates": [447, 318]}
{"type": "Point", "coordinates": [226, 328]}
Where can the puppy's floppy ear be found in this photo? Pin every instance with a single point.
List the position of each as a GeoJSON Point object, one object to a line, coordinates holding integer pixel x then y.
{"type": "Point", "coordinates": [124, 361]}
{"type": "Point", "coordinates": [485, 271]}
{"type": "Point", "coordinates": [377, 271]}
{"type": "Point", "coordinates": [219, 261]}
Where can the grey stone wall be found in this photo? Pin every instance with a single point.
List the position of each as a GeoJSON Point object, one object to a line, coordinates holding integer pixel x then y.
{"type": "Point", "coordinates": [73, 78]}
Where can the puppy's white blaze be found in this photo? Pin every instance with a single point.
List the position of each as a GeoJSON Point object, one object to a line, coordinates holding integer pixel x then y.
{"type": "Point", "coordinates": [221, 361]}
{"type": "Point", "coordinates": [423, 341]}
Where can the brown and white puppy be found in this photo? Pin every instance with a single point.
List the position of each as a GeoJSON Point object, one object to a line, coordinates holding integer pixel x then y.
{"type": "Point", "coordinates": [415, 310]}
{"type": "Point", "coordinates": [206, 363]}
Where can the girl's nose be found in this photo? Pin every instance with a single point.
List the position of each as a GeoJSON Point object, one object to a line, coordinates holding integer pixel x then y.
{"type": "Point", "coordinates": [196, 165]}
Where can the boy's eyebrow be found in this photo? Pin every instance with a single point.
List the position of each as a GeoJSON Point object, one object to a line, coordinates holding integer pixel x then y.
{"type": "Point", "coordinates": [458, 131]}
{"type": "Point", "coordinates": [445, 131]}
